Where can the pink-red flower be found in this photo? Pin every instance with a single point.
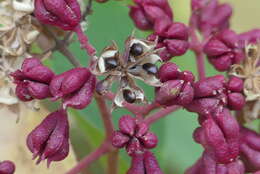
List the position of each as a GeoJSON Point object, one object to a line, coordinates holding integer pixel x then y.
{"type": "Point", "coordinates": [214, 93]}
{"type": "Point", "coordinates": [250, 149]}
{"type": "Point", "coordinates": [144, 163]}
{"type": "Point", "coordinates": [177, 86]}
{"type": "Point", "coordinates": [134, 136]}
{"type": "Point", "coordinates": [75, 87]}
{"type": "Point", "coordinates": [32, 80]}
{"type": "Point", "coordinates": [209, 16]}
{"type": "Point", "coordinates": [223, 50]}
{"type": "Point", "coordinates": [157, 16]}
{"type": "Point", "coordinates": [50, 139]}
{"type": "Point", "coordinates": [208, 165]}
{"type": "Point", "coordinates": [61, 13]}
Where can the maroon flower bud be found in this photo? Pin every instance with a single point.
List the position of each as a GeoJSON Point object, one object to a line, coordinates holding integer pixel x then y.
{"type": "Point", "coordinates": [235, 84]}
{"type": "Point", "coordinates": [61, 13]}
{"type": "Point", "coordinates": [214, 93]}
{"type": "Point", "coordinates": [75, 87]}
{"type": "Point", "coordinates": [174, 38]}
{"type": "Point", "coordinates": [7, 167]}
{"type": "Point", "coordinates": [177, 87]}
{"type": "Point", "coordinates": [223, 50]}
{"type": "Point", "coordinates": [138, 16]}
{"type": "Point", "coordinates": [219, 135]}
{"type": "Point", "coordinates": [207, 165]}
{"type": "Point", "coordinates": [155, 15]}
{"type": "Point", "coordinates": [32, 80]}
{"type": "Point", "coordinates": [210, 16]}
{"type": "Point", "coordinates": [134, 136]}
{"type": "Point", "coordinates": [49, 140]}
{"type": "Point", "coordinates": [144, 163]}
{"type": "Point", "coordinates": [169, 71]}
{"type": "Point", "coordinates": [236, 101]}
{"type": "Point", "coordinates": [250, 150]}
{"type": "Point", "coordinates": [209, 86]}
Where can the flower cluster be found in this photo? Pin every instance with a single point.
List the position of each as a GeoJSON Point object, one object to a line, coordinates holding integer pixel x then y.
{"type": "Point", "coordinates": [134, 136]}
{"type": "Point", "coordinates": [49, 140]}
{"type": "Point", "coordinates": [214, 93]}
{"type": "Point", "coordinates": [210, 16]}
{"type": "Point", "coordinates": [157, 16]}
{"type": "Point", "coordinates": [223, 50]}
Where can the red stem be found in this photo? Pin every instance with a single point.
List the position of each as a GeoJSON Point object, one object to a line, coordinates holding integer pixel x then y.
{"type": "Point", "coordinates": [200, 64]}
{"type": "Point", "coordinates": [160, 114]}
{"type": "Point", "coordinates": [197, 48]}
{"type": "Point", "coordinates": [93, 156]}
{"type": "Point", "coordinates": [106, 115]}
{"type": "Point", "coordinates": [83, 39]}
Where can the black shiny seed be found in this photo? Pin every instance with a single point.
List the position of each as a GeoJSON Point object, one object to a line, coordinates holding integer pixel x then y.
{"type": "Point", "coordinates": [110, 63]}
{"type": "Point", "coordinates": [150, 68]}
{"type": "Point", "coordinates": [136, 49]}
{"type": "Point", "coordinates": [129, 96]}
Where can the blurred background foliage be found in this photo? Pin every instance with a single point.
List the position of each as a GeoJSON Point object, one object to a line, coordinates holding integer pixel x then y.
{"type": "Point", "coordinates": [176, 149]}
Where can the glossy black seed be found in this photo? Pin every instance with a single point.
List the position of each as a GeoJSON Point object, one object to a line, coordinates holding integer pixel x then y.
{"type": "Point", "coordinates": [129, 96]}
{"type": "Point", "coordinates": [110, 63]}
{"type": "Point", "coordinates": [136, 49]}
{"type": "Point", "coordinates": [150, 68]}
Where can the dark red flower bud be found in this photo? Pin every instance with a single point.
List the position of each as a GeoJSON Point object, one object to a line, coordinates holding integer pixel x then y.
{"type": "Point", "coordinates": [177, 87]}
{"type": "Point", "coordinates": [127, 125]}
{"type": "Point", "coordinates": [209, 86]}
{"type": "Point", "coordinates": [214, 93]}
{"type": "Point", "coordinates": [134, 136]}
{"type": "Point", "coordinates": [155, 15]}
{"type": "Point", "coordinates": [144, 163]}
{"type": "Point", "coordinates": [138, 16]}
{"type": "Point", "coordinates": [32, 80]}
{"type": "Point", "coordinates": [174, 37]}
{"type": "Point", "coordinates": [219, 135]}
{"type": "Point", "coordinates": [207, 165]}
{"type": "Point", "coordinates": [210, 16]}
{"type": "Point", "coordinates": [250, 150]}
{"type": "Point", "coordinates": [169, 71]}
{"type": "Point", "coordinates": [119, 139]}
{"type": "Point", "coordinates": [61, 13]}
{"type": "Point", "coordinates": [137, 165]}
{"type": "Point", "coordinates": [7, 167]}
{"type": "Point", "coordinates": [49, 140]}
{"type": "Point", "coordinates": [236, 101]}
{"type": "Point", "coordinates": [235, 84]}
{"type": "Point", "coordinates": [75, 87]}
{"type": "Point", "coordinates": [223, 50]}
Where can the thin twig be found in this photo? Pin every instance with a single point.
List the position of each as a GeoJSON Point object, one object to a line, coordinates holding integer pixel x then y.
{"type": "Point", "coordinates": [113, 162]}
{"type": "Point", "coordinates": [196, 47]}
{"type": "Point", "coordinates": [63, 49]}
{"type": "Point", "coordinates": [106, 115]}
